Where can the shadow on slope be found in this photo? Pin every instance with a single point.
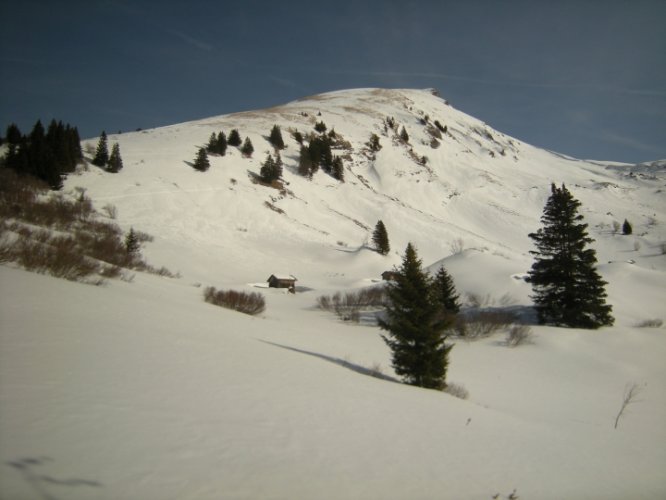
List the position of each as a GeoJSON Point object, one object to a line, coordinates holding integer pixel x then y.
{"type": "Point", "coordinates": [341, 362]}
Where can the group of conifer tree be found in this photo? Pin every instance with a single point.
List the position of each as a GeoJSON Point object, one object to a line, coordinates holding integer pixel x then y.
{"type": "Point", "coordinates": [48, 154]}
{"type": "Point", "coordinates": [317, 153]}
{"type": "Point", "coordinates": [568, 291]}
{"type": "Point", "coordinates": [218, 144]}
{"type": "Point", "coordinates": [110, 162]}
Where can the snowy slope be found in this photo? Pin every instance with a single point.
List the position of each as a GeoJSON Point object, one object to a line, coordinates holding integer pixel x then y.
{"type": "Point", "coordinates": [142, 390]}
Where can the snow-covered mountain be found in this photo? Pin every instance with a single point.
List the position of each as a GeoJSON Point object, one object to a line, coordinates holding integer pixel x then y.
{"type": "Point", "coordinates": [142, 390]}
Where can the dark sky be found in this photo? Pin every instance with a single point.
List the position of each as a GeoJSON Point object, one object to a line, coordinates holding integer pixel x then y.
{"type": "Point", "coordinates": [585, 78]}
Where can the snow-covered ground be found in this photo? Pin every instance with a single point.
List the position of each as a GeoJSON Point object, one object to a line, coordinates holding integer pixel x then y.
{"type": "Point", "coordinates": [142, 391]}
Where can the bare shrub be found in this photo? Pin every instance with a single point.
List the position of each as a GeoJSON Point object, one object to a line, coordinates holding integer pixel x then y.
{"type": "Point", "coordinates": [456, 390]}
{"type": "Point", "coordinates": [111, 211]}
{"type": "Point", "coordinates": [631, 392]}
{"type": "Point", "coordinates": [376, 371]}
{"type": "Point", "coordinates": [349, 305]}
{"type": "Point", "coordinates": [457, 246]}
{"type": "Point", "coordinates": [650, 323]}
{"type": "Point", "coordinates": [56, 258]}
{"type": "Point", "coordinates": [518, 334]}
{"type": "Point", "coordinates": [247, 303]}
{"type": "Point", "coordinates": [479, 324]}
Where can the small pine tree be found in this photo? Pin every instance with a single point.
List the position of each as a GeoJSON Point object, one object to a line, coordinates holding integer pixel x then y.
{"type": "Point", "coordinates": [337, 169]}
{"type": "Point", "coordinates": [247, 148]}
{"type": "Point", "coordinates": [373, 144]}
{"type": "Point", "coordinates": [271, 170]}
{"type": "Point", "coordinates": [380, 239]}
{"type": "Point", "coordinates": [212, 143]}
{"type": "Point", "coordinates": [404, 136]}
{"type": "Point", "coordinates": [626, 228]}
{"type": "Point", "coordinates": [234, 138]}
{"type": "Point", "coordinates": [115, 163]}
{"type": "Point", "coordinates": [320, 127]}
{"type": "Point", "coordinates": [275, 138]}
{"type": "Point", "coordinates": [201, 162]}
{"type": "Point", "coordinates": [132, 244]}
{"type": "Point", "coordinates": [298, 137]}
{"type": "Point", "coordinates": [415, 326]}
{"type": "Point", "coordinates": [568, 291]}
{"type": "Point", "coordinates": [221, 144]}
{"type": "Point", "coordinates": [444, 292]}
{"type": "Point", "coordinates": [102, 153]}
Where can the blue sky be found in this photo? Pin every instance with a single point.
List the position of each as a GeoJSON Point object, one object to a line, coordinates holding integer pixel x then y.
{"type": "Point", "coordinates": [584, 77]}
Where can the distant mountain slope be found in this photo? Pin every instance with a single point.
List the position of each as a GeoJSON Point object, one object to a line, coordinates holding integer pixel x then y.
{"type": "Point", "coordinates": [477, 187]}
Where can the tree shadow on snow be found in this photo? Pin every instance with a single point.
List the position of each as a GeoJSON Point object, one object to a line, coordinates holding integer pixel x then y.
{"type": "Point", "coordinates": [337, 361]}
{"type": "Point", "coordinates": [39, 482]}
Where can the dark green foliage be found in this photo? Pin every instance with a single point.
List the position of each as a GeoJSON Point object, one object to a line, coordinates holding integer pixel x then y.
{"type": "Point", "coordinates": [234, 138]}
{"type": "Point", "coordinates": [320, 153]}
{"type": "Point", "coordinates": [568, 291]}
{"type": "Point", "coordinates": [217, 144]}
{"type": "Point", "coordinates": [45, 155]}
{"type": "Point", "coordinates": [444, 292]}
{"type": "Point", "coordinates": [201, 162]}
{"type": "Point", "coordinates": [271, 169]}
{"type": "Point", "coordinates": [275, 138]}
{"type": "Point", "coordinates": [247, 148]}
{"type": "Point", "coordinates": [132, 244]}
{"type": "Point", "coordinates": [404, 136]}
{"type": "Point", "coordinates": [439, 126]}
{"type": "Point", "coordinates": [305, 166]}
{"type": "Point", "coordinates": [102, 153]}
{"type": "Point", "coordinates": [298, 137]}
{"type": "Point", "coordinates": [373, 144]}
{"type": "Point", "coordinates": [115, 163]}
{"type": "Point", "coordinates": [380, 239]}
{"type": "Point", "coordinates": [338, 169]}
{"type": "Point", "coordinates": [416, 327]}
{"type": "Point", "coordinates": [320, 127]}
{"type": "Point", "coordinates": [626, 227]}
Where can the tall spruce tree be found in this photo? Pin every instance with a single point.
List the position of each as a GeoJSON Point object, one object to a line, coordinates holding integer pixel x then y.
{"type": "Point", "coordinates": [102, 153]}
{"type": "Point", "coordinates": [275, 138]}
{"type": "Point", "coordinates": [247, 148]}
{"type": "Point", "coordinates": [380, 239]}
{"type": "Point", "coordinates": [115, 163]}
{"type": "Point", "coordinates": [201, 162]}
{"type": "Point", "coordinates": [415, 326]}
{"type": "Point", "coordinates": [234, 138]}
{"type": "Point", "coordinates": [568, 291]}
{"type": "Point", "coordinates": [444, 292]}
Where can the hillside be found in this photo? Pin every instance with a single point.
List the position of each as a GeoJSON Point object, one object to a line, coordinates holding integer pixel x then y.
{"type": "Point", "coordinates": [141, 390]}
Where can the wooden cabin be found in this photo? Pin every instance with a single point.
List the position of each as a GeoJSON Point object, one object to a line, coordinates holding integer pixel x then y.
{"type": "Point", "coordinates": [282, 281]}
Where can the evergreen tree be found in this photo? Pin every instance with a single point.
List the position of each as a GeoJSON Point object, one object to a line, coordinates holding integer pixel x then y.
{"type": "Point", "coordinates": [221, 144]}
{"type": "Point", "coordinates": [380, 239]}
{"type": "Point", "coordinates": [444, 292]}
{"type": "Point", "coordinates": [305, 167]}
{"type": "Point", "coordinates": [337, 169]}
{"type": "Point", "coordinates": [373, 144]}
{"type": "Point", "coordinates": [115, 163]}
{"type": "Point", "coordinates": [416, 329]}
{"type": "Point", "coordinates": [626, 227]}
{"type": "Point", "coordinates": [320, 127]}
{"type": "Point", "coordinates": [132, 244]}
{"type": "Point", "coordinates": [275, 138]}
{"type": "Point", "coordinates": [102, 153]}
{"type": "Point", "coordinates": [404, 136]}
{"type": "Point", "coordinates": [234, 138]}
{"type": "Point", "coordinates": [211, 147]}
{"type": "Point", "coordinates": [201, 162]}
{"type": "Point", "coordinates": [271, 170]}
{"type": "Point", "coordinates": [247, 148]}
{"type": "Point", "coordinates": [568, 291]}
{"type": "Point", "coordinates": [13, 134]}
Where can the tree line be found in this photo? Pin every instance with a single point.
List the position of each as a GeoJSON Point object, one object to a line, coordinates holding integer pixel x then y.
{"type": "Point", "coordinates": [48, 154]}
